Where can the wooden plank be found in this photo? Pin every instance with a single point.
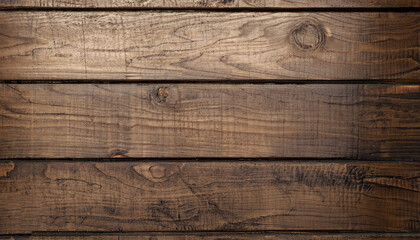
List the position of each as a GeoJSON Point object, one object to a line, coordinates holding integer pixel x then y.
{"type": "Point", "coordinates": [208, 196]}
{"type": "Point", "coordinates": [229, 4]}
{"type": "Point", "coordinates": [209, 45]}
{"type": "Point", "coordinates": [210, 120]}
{"type": "Point", "coordinates": [224, 236]}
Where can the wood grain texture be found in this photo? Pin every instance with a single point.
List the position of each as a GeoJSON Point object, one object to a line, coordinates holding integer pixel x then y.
{"type": "Point", "coordinates": [208, 196]}
{"type": "Point", "coordinates": [209, 45]}
{"type": "Point", "coordinates": [279, 4]}
{"type": "Point", "coordinates": [210, 120]}
{"type": "Point", "coordinates": [224, 236]}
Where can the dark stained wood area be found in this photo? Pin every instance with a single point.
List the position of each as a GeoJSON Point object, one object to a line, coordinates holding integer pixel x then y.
{"type": "Point", "coordinates": [210, 120]}
{"type": "Point", "coordinates": [226, 236]}
{"type": "Point", "coordinates": [205, 4]}
{"type": "Point", "coordinates": [156, 45]}
{"type": "Point", "coordinates": [207, 196]}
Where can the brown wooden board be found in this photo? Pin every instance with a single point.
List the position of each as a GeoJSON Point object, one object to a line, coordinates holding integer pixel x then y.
{"type": "Point", "coordinates": [223, 236]}
{"type": "Point", "coordinates": [378, 122]}
{"type": "Point", "coordinates": [208, 196]}
{"type": "Point", "coordinates": [184, 45]}
{"type": "Point", "coordinates": [205, 4]}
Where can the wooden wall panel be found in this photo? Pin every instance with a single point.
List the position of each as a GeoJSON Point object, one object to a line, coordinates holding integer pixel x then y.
{"type": "Point", "coordinates": [157, 45]}
{"type": "Point", "coordinates": [222, 236]}
{"type": "Point", "coordinates": [208, 196]}
{"type": "Point", "coordinates": [210, 120]}
{"type": "Point", "coordinates": [205, 4]}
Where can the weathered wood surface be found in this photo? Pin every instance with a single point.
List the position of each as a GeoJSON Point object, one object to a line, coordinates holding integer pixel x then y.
{"type": "Point", "coordinates": [208, 196]}
{"type": "Point", "coordinates": [210, 120]}
{"type": "Point", "coordinates": [210, 3]}
{"type": "Point", "coordinates": [209, 45]}
{"type": "Point", "coordinates": [224, 236]}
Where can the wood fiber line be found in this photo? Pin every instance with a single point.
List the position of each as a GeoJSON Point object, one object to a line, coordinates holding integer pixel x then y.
{"type": "Point", "coordinates": [378, 122]}
{"type": "Point", "coordinates": [208, 196]}
{"type": "Point", "coordinates": [187, 45]}
{"type": "Point", "coordinates": [230, 4]}
{"type": "Point", "coordinates": [225, 236]}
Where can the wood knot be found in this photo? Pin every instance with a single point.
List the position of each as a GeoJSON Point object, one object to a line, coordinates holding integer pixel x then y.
{"type": "Point", "coordinates": [162, 94]}
{"type": "Point", "coordinates": [117, 153]}
{"type": "Point", "coordinates": [165, 96]}
{"type": "Point", "coordinates": [308, 35]}
{"type": "Point", "coordinates": [156, 172]}
{"type": "Point", "coordinates": [6, 169]}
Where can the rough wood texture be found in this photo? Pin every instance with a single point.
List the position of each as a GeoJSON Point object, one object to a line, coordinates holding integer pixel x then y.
{"type": "Point", "coordinates": [210, 3]}
{"type": "Point", "coordinates": [208, 196]}
{"type": "Point", "coordinates": [210, 120]}
{"type": "Point", "coordinates": [209, 45]}
{"type": "Point", "coordinates": [226, 236]}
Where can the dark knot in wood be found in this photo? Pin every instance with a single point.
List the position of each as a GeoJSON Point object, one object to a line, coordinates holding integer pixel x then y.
{"type": "Point", "coordinates": [162, 94]}
{"type": "Point", "coordinates": [165, 96]}
{"type": "Point", "coordinates": [309, 35]}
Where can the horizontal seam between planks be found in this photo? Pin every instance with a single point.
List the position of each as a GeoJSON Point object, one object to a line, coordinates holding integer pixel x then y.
{"type": "Point", "coordinates": [230, 82]}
